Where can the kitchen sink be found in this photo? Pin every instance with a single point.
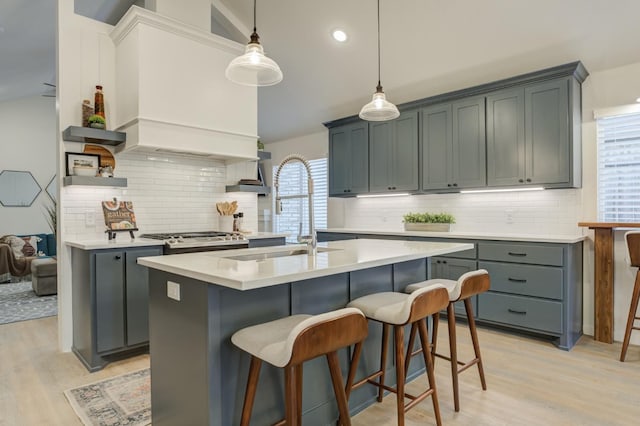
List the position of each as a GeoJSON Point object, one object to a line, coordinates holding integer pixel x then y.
{"type": "Point", "coordinates": [280, 253]}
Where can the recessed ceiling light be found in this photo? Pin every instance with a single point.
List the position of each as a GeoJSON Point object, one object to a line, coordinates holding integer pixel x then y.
{"type": "Point", "coordinates": [637, 99]}
{"type": "Point", "coordinates": [339, 35]}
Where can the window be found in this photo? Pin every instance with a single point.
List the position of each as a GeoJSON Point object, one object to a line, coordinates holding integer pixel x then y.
{"type": "Point", "coordinates": [295, 211]}
{"type": "Point", "coordinates": [619, 168]}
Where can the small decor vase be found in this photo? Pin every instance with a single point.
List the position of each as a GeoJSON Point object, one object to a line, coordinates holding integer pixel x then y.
{"type": "Point", "coordinates": [427, 227]}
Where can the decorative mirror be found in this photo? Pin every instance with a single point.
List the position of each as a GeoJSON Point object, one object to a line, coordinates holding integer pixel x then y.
{"type": "Point", "coordinates": [18, 189]}
{"type": "Point", "coordinates": [52, 188]}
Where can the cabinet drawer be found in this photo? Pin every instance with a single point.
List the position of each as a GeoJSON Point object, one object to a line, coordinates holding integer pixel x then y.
{"type": "Point", "coordinates": [527, 280]}
{"type": "Point", "coordinates": [537, 314]}
{"type": "Point", "coordinates": [466, 254]}
{"type": "Point", "coordinates": [539, 254]}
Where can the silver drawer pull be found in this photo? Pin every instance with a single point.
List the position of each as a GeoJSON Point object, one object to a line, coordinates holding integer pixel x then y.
{"type": "Point", "coordinates": [517, 254]}
{"type": "Point", "coordinates": [513, 311]}
{"type": "Point", "coordinates": [516, 280]}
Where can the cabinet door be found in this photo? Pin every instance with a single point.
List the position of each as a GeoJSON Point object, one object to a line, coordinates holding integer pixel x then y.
{"type": "Point", "coordinates": [404, 152]}
{"type": "Point", "coordinates": [349, 159]}
{"type": "Point", "coordinates": [547, 132]}
{"type": "Point", "coordinates": [505, 138]}
{"type": "Point", "coordinates": [137, 296]}
{"type": "Point", "coordinates": [393, 154]}
{"type": "Point", "coordinates": [469, 143]}
{"type": "Point", "coordinates": [110, 317]}
{"type": "Point", "coordinates": [380, 140]}
{"type": "Point", "coordinates": [436, 147]}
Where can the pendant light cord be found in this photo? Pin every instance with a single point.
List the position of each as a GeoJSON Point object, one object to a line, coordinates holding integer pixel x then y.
{"type": "Point", "coordinates": [254, 15]}
{"type": "Point", "coordinates": [379, 86]}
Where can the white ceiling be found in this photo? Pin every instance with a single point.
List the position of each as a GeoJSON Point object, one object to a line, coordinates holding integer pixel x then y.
{"type": "Point", "coordinates": [428, 47]}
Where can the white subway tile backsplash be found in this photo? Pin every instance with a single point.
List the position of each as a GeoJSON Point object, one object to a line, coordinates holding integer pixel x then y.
{"type": "Point", "coordinates": [170, 193]}
{"type": "Point", "coordinates": [541, 212]}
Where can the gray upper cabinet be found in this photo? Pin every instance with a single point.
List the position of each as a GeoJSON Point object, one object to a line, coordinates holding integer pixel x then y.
{"type": "Point", "coordinates": [530, 136]}
{"type": "Point", "coordinates": [520, 131]}
{"type": "Point", "coordinates": [393, 154]}
{"type": "Point", "coordinates": [453, 145]}
{"type": "Point", "coordinates": [349, 159]}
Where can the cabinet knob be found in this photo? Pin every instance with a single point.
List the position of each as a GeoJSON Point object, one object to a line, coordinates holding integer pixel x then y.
{"type": "Point", "coordinates": [118, 257]}
{"type": "Point", "coordinates": [528, 179]}
{"type": "Point", "coordinates": [521, 180]}
{"type": "Point", "coordinates": [449, 185]}
{"type": "Point", "coordinates": [444, 261]}
{"type": "Point", "coordinates": [455, 184]}
{"type": "Point", "coordinates": [437, 261]}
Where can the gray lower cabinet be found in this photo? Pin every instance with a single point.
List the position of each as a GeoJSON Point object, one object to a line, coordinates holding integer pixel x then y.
{"type": "Point", "coordinates": [532, 135]}
{"type": "Point", "coordinates": [110, 303]}
{"type": "Point", "coordinates": [349, 159]}
{"type": "Point", "coordinates": [453, 145]}
{"type": "Point", "coordinates": [393, 154]}
{"type": "Point", "coordinates": [536, 287]}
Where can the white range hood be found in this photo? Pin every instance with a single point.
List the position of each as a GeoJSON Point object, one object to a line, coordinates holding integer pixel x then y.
{"type": "Point", "coordinates": [172, 94]}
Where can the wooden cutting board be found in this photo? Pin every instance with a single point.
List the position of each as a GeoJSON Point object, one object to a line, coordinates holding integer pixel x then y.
{"type": "Point", "coordinates": [106, 157]}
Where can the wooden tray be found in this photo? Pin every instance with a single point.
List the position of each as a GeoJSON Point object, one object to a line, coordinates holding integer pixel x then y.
{"type": "Point", "coordinates": [106, 157]}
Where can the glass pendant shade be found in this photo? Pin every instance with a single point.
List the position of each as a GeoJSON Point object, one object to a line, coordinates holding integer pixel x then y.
{"type": "Point", "coordinates": [254, 68]}
{"type": "Point", "coordinates": [379, 109]}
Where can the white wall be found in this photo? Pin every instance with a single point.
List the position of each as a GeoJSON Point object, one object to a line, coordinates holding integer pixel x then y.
{"type": "Point", "coordinates": [28, 144]}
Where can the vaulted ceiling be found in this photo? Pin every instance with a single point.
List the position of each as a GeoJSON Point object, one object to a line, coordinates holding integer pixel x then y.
{"type": "Point", "coordinates": [428, 47]}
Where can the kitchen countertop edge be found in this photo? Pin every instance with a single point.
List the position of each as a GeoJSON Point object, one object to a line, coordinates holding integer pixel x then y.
{"type": "Point", "coordinates": [564, 239]}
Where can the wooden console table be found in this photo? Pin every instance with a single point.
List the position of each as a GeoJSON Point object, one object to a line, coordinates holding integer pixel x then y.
{"type": "Point", "coordinates": [603, 277]}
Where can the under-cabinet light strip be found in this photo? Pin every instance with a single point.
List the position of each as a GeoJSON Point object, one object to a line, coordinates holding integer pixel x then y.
{"type": "Point", "coordinates": [475, 191]}
{"type": "Point", "coordinates": [400, 194]}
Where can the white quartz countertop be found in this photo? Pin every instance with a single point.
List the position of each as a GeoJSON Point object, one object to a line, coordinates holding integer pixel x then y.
{"type": "Point", "coordinates": [567, 239]}
{"type": "Point", "coordinates": [121, 241]}
{"type": "Point", "coordinates": [124, 241]}
{"type": "Point", "coordinates": [216, 267]}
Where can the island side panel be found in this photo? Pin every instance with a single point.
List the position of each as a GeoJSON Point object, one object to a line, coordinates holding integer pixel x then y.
{"type": "Point", "coordinates": [316, 296]}
{"type": "Point", "coordinates": [180, 361]}
{"type": "Point", "coordinates": [237, 310]}
{"type": "Point", "coordinates": [362, 283]}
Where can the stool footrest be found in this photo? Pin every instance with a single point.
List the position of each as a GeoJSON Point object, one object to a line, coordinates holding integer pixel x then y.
{"type": "Point", "coordinates": [468, 364]}
{"type": "Point", "coordinates": [368, 379]}
{"type": "Point", "coordinates": [448, 358]}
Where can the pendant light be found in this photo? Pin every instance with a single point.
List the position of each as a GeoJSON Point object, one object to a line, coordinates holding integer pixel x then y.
{"type": "Point", "coordinates": [379, 109]}
{"type": "Point", "coordinates": [254, 68]}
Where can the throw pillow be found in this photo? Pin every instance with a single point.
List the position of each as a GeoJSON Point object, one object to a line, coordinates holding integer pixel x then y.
{"type": "Point", "coordinates": [21, 246]}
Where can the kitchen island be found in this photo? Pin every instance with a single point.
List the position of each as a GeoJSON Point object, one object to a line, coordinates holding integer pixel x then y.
{"type": "Point", "coordinates": [198, 300]}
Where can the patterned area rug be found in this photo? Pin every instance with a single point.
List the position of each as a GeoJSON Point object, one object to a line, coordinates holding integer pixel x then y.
{"type": "Point", "coordinates": [18, 302]}
{"type": "Point", "coordinates": [120, 400]}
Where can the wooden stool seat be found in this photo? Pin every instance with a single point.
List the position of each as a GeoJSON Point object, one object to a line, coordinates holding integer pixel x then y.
{"type": "Point", "coordinates": [398, 310]}
{"type": "Point", "coordinates": [288, 342]}
{"type": "Point", "coordinates": [632, 240]}
{"type": "Point", "coordinates": [468, 285]}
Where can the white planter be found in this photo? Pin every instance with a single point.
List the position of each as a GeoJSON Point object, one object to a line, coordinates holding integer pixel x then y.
{"type": "Point", "coordinates": [428, 227]}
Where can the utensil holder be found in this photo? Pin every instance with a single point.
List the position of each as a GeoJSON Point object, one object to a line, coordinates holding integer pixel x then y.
{"type": "Point", "coordinates": [225, 223]}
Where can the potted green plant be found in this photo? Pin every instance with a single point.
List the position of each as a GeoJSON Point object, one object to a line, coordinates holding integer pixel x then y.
{"type": "Point", "coordinates": [428, 221]}
{"type": "Point", "coordinates": [97, 122]}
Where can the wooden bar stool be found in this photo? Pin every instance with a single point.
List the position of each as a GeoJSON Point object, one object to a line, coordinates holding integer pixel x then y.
{"type": "Point", "coordinates": [467, 285]}
{"type": "Point", "coordinates": [288, 342]}
{"type": "Point", "coordinates": [632, 238]}
{"type": "Point", "coordinates": [398, 310]}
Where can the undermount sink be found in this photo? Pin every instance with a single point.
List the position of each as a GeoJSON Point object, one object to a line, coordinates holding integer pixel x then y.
{"type": "Point", "coordinates": [281, 253]}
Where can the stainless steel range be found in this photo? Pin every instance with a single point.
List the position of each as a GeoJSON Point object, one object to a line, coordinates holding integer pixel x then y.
{"type": "Point", "coordinates": [190, 242]}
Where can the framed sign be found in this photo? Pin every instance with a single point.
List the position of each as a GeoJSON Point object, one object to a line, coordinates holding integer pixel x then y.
{"type": "Point", "coordinates": [86, 161]}
{"type": "Point", "coordinates": [119, 215]}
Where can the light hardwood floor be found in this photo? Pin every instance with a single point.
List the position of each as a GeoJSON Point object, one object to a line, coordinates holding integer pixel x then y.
{"type": "Point", "coordinates": [530, 382]}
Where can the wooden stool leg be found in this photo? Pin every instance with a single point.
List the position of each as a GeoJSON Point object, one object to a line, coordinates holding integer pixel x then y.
{"type": "Point", "coordinates": [399, 349]}
{"type": "Point", "coordinates": [290, 395]}
{"type": "Point", "coordinates": [451, 321]}
{"type": "Point", "coordinates": [383, 360]}
{"type": "Point", "coordinates": [474, 339]}
{"type": "Point", "coordinates": [250, 393]}
{"type": "Point", "coordinates": [434, 335]}
{"type": "Point", "coordinates": [338, 389]}
{"type": "Point", "coordinates": [299, 392]}
{"type": "Point", "coordinates": [632, 316]}
{"type": "Point", "coordinates": [412, 341]}
{"type": "Point", "coordinates": [428, 362]}
{"type": "Point", "coordinates": [353, 368]}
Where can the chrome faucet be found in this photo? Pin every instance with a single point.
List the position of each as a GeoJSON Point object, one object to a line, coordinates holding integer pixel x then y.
{"type": "Point", "coordinates": [310, 239]}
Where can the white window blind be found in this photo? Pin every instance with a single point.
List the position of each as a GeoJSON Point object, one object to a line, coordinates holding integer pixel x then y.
{"type": "Point", "coordinates": [619, 168]}
{"type": "Point", "coordinates": [293, 181]}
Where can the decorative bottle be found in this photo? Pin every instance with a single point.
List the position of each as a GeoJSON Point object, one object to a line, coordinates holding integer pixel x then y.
{"type": "Point", "coordinates": [87, 111]}
{"type": "Point", "coordinates": [99, 102]}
